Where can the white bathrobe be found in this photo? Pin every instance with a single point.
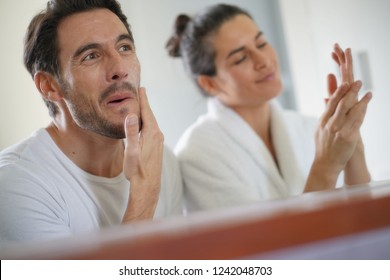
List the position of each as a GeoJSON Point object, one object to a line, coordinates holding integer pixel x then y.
{"type": "Point", "coordinates": [224, 162]}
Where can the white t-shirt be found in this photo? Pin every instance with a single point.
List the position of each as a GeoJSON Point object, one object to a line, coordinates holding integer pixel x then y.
{"type": "Point", "coordinates": [43, 194]}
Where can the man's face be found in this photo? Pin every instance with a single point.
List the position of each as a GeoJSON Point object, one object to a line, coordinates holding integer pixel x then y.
{"type": "Point", "coordinates": [100, 72]}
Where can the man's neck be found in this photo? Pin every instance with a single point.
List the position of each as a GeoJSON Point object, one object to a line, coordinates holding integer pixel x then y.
{"type": "Point", "coordinates": [94, 153]}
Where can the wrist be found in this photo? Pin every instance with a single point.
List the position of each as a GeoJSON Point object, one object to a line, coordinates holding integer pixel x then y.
{"type": "Point", "coordinates": [322, 177]}
{"type": "Point", "coordinates": [356, 170]}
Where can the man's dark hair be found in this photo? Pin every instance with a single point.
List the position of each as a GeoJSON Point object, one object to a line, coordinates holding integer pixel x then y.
{"type": "Point", "coordinates": [41, 47]}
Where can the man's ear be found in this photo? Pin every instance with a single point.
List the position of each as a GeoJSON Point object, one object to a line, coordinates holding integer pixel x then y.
{"type": "Point", "coordinates": [47, 86]}
{"type": "Point", "coordinates": [208, 84]}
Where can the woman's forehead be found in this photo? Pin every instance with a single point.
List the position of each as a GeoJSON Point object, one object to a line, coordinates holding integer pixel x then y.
{"type": "Point", "coordinates": [235, 32]}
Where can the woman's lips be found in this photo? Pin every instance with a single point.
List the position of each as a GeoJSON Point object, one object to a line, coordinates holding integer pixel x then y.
{"type": "Point", "coordinates": [267, 78]}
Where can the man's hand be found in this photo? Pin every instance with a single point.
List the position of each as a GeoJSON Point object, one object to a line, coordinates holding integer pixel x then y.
{"type": "Point", "coordinates": [143, 162]}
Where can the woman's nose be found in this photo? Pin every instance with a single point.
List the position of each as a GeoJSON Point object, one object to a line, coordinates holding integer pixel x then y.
{"type": "Point", "coordinates": [260, 59]}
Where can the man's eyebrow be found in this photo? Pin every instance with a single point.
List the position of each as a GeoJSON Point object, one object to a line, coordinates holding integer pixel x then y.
{"type": "Point", "coordinates": [242, 48]}
{"type": "Point", "coordinates": [125, 36]}
{"type": "Point", "coordinates": [86, 47]}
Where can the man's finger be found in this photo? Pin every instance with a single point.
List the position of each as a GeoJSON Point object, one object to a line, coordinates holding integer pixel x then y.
{"type": "Point", "coordinates": [131, 130]}
{"type": "Point", "coordinates": [132, 149]}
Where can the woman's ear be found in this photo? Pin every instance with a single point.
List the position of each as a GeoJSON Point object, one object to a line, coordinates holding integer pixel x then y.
{"type": "Point", "coordinates": [47, 86]}
{"type": "Point", "coordinates": [208, 84]}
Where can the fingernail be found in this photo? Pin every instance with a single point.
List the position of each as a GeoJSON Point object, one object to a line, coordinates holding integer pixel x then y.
{"type": "Point", "coordinates": [131, 120]}
{"type": "Point", "coordinates": [358, 83]}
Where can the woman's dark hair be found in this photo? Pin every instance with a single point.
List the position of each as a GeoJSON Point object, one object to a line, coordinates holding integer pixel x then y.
{"type": "Point", "coordinates": [191, 38]}
{"type": "Point", "coordinates": [41, 42]}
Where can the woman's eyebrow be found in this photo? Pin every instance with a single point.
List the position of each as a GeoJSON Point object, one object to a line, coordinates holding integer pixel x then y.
{"type": "Point", "coordinates": [242, 48]}
{"type": "Point", "coordinates": [259, 35]}
{"type": "Point", "coordinates": [235, 51]}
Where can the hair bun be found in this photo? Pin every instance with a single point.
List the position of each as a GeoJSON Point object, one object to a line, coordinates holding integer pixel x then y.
{"type": "Point", "coordinates": [173, 44]}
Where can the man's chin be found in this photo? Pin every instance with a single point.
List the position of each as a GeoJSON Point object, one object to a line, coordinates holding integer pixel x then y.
{"type": "Point", "coordinates": [113, 132]}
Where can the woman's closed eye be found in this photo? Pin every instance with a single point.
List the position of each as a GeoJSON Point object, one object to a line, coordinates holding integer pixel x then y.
{"type": "Point", "coordinates": [240, 60]}
{"type": "Point", "coordinates": [244, 56]}
{"type": "Point", "coordinates": [262, 45]}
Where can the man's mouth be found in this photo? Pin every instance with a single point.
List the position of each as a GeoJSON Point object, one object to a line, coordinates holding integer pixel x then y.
{"type": "Point", "coordinates": [119, 99]}
{"type": "Point", "coordinates": [116, 95]}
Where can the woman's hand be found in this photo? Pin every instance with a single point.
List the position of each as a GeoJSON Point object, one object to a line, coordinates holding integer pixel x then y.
{"type": "Point", "coordinates": [337, 135]}
{"type": "Point", "coordinates": [356, 171]}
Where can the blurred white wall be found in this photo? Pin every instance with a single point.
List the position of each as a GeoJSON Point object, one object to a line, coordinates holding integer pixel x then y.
{"type": "Point", "coordinates": [21, 109]}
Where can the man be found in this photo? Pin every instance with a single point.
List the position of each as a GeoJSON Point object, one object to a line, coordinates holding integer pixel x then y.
{"type": "Point", "coordinates": [78, 174]}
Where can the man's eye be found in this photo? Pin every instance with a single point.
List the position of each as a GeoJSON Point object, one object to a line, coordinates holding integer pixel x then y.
{"type": "Point", "coordinates": [90, 56]}
{"type": "Point", "coordinates": [125, 48]}
{"type": "Point", "coordinates": [261, 45]}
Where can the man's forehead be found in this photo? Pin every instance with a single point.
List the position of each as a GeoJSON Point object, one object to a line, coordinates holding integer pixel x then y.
{"type": "Point", "coordinates": [90, 26]}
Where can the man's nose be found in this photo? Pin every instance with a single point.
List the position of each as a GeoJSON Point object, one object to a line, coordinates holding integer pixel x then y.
{"type": "Point", "coordinates": [117, 69]}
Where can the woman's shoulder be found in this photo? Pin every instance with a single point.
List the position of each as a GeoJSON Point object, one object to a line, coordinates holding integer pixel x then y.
{"type": "Point", "coordinates": [203, 134]}
{"type": "Point", "coordinates": [204, 126]}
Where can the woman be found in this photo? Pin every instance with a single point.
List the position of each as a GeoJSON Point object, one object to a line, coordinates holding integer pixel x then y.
{"type": "Point", "coordinates": [247, 148]}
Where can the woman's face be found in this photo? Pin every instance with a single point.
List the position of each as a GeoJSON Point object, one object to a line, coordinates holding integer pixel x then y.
{"type": "Point", "coordinates": [247, 66]}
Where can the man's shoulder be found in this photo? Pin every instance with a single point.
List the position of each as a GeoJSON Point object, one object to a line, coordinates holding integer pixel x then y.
{"type": "Point", "coordinates": [27, 160]}
{"type": "Point", "coordinates": [24, 150]}
{"type": "Point", "coordinates": [17, 172]}
{"type": "Point", "coordinates": [16, 155]}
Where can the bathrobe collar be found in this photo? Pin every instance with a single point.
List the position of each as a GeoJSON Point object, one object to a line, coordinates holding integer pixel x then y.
{"type": "Point", "coordinates": [287, 179]}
